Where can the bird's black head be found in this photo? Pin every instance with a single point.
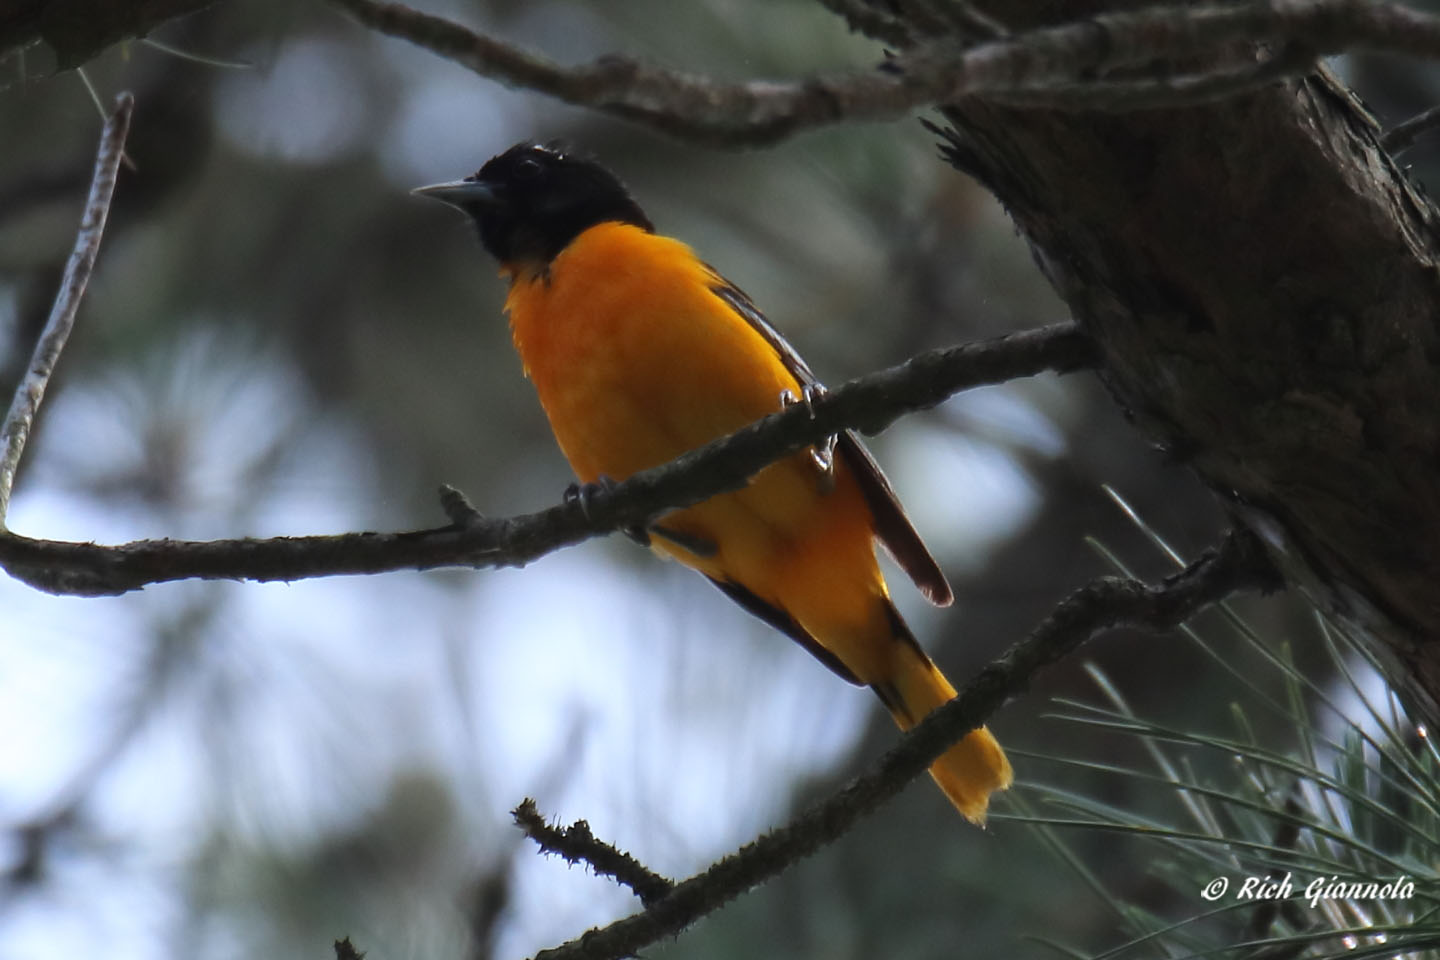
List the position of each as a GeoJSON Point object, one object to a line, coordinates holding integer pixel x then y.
{"type": "Point", "coordinates": [532, 200]}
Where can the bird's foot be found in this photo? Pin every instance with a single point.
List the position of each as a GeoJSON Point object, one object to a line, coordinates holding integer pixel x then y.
{"type": "Point", "coordinates": [584, 494]}
{"type": "Point", "coordinates": [823, 454]}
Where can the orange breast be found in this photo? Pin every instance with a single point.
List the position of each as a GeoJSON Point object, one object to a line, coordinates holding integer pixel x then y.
{"type": "Point", "coordinates": [636, 360]}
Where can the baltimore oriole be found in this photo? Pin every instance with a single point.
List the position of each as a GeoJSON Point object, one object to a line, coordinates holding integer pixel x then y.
{"type": "Point", "coordinates": [640, 351]}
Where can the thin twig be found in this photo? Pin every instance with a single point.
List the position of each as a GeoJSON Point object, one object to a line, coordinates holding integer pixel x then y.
{"type": "Point", "coordinates": [1402, 136]}
{"type": "Point", "coordinates": [1238, 563]}
{"type": "Point", "coordinates": [1019, 68]}
{"type": "Point", "coordinates": [576, 843]}
{"type": "Point", "coordinates": [870, 404]}
{"type": "Point", "coordinates": [31, 390]}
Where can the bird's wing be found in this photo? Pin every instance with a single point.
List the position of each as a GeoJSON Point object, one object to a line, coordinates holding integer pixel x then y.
{"type": "Point", "coordinates": [892, 527]}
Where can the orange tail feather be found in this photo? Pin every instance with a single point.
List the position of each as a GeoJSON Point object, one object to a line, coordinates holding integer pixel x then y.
{"type": "Point", "coordinates": [969, 771]}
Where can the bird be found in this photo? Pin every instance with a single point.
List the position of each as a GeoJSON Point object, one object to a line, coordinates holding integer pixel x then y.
{"type": "Point", "coordinates": [639, 352]}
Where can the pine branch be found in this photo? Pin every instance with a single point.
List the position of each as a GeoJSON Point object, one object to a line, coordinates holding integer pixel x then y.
{"type": "Point", "coordinates": [869, 404]}
{"type": "Point", "coordinates": [1239, 563]}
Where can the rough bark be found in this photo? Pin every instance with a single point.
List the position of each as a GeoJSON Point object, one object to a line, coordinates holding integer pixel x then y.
{"type": "Point", "coordinates": [1261, 279]}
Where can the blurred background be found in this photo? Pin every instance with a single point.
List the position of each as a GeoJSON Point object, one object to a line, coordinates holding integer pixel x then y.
{"type": "Point", "coordinates": [279, 339]}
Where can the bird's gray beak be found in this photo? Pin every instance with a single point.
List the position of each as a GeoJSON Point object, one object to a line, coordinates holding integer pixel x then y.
{"type": "Point", "coordinates": [460, 193]}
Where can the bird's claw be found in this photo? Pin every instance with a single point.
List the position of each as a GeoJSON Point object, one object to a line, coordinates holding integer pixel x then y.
{"type": "Point", "coordinates": [809, 393]}
{"type": "Point", "coordinates": [822, 454]}
{"type": "Point", "coordinates": [584, 494]}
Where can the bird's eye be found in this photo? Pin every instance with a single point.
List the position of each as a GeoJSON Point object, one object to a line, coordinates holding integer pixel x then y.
{"type": "Point", "coordinates": [527, 169]}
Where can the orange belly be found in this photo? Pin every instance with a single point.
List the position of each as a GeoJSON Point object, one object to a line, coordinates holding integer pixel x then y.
{"type": "Point", "coordinates": [637, 369]}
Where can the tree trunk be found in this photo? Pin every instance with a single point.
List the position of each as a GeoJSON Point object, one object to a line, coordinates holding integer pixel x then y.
{"type": "Point", "coordinates": [1261, 279]}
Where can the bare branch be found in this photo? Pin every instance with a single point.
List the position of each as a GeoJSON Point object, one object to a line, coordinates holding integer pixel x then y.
{"type": "Point", "coordinates": [870, 404]}
{"type": "Point", "coordinates": [576, 843]}
{"type": "Point", "coordinates": [1239, 563]}
{"type": "Point", "coordinates": [1061, 66]}
{"type": "Point", "coordinates": [31, 390]}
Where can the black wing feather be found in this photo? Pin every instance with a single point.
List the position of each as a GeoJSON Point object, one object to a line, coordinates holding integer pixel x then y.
{"type": "Point", "coordinates": [786, 624]}
{"type": "Point", "coordinates": [892, 527]}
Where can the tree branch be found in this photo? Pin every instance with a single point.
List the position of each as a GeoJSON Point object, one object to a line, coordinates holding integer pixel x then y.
{"type": "Point", "coordinates": [870, 404]}
{"type": "Point", "coordinates": [1239, 563]}
{"type": "Point", "coordinates": [1056, 67]}
{"type": "Point", "coordinates": [576, 843]}
{"type": "Point", "coordinates": [29, 393]}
